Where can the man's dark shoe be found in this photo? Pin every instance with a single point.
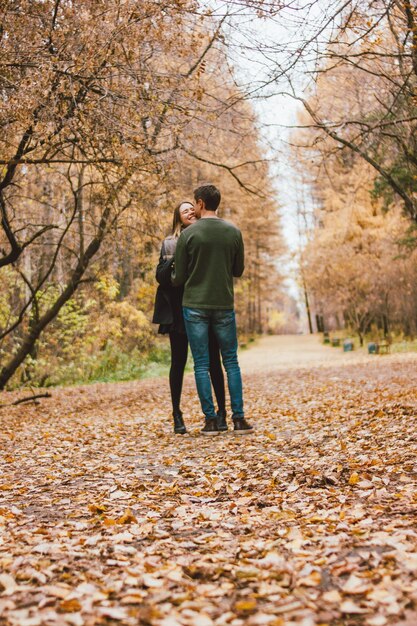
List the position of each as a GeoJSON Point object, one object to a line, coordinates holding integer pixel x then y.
{"type": "Point", "coordinates": [221, 420]}
{"type": "Point", "coordinates": [210, 429]}
{"type": "Point", "coordinates": [179, 426]}
{"type": "Point", "coordinates": [242, 427]}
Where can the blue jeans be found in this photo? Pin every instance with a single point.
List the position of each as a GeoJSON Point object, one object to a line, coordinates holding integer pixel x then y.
{"type": "Point", "coordinates": [223, 322]}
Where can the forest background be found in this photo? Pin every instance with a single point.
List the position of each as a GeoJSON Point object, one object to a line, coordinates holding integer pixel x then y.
{"type": "Point", "coordinates": [355, 150]}
{"type": "Point", "coordinates": [112, 112]}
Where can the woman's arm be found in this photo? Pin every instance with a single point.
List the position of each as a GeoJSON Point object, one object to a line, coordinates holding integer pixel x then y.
{"type": "Point", "coordinates": [179, 275]}
{"type": "Point", "coordinates": [164, 269]}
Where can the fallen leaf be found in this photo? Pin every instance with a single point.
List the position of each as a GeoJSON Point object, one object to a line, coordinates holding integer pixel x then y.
{"type": "Point", "coordinates": [245, 606]}
{"type": "Point", "coordinates": [354, 478]}
{"type": "Point", "coordinates": [8, 584]}
{"type": "Point", "coordinates": [70, 606]}
{"type": "Point", "coordinates": [348, 606]}
{"type": "Point", "coordinates": [356, 585]}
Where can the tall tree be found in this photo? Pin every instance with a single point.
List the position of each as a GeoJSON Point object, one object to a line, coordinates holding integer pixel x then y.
{"type": "Point", "coordinates": [102, 104]}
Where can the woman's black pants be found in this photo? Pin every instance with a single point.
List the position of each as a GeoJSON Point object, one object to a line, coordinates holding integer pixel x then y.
{"type": "Point", "coordinates": [179, 352]}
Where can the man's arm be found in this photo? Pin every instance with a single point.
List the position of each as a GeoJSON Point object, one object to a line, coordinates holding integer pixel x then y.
{"type": "Point", "coordinates": [179, 274]}
{"type": "Point", "coordinates": [239, 260]}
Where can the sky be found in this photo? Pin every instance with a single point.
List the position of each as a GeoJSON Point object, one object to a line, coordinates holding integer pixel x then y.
{"type": "Point", "coordinates": [262, 48]}
{"type": "Point", "coordinates": [259, 49]}
{"type": "Point", "coordinates": [276, 113]}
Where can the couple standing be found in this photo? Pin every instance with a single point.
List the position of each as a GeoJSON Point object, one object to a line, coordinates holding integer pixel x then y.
{"type": "Point", "coordinates": [195, 304]}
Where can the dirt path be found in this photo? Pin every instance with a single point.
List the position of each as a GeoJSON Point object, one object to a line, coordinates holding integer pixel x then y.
{"type": "Point", "coordinates": [301, 351]}
{"type": "Point", "coordinates": [106, 517]}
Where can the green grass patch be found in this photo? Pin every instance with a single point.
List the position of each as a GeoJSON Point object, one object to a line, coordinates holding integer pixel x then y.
{"type": "Point", "coordinates": [111, 365]}
{"type": "Point", "coordinates": [404, 346]}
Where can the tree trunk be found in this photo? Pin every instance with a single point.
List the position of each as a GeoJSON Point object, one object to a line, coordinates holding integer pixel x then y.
{"type": "Point", "coordinates": [385, 324]}
{"type": "Point", "coordinates": [35, 331]}
{"type": "Point", "coordinates": [307, 303]}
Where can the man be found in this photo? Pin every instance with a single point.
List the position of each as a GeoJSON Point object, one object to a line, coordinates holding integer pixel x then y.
{"type": "Point", "coordinates": [209, 254]}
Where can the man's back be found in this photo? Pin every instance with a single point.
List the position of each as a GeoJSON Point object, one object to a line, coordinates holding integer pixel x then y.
{"type": "Point", "coordinates": [209, 253]}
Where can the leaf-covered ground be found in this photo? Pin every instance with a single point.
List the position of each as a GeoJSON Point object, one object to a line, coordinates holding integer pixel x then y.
{"type": "Point", "coordinates": [109, 518]}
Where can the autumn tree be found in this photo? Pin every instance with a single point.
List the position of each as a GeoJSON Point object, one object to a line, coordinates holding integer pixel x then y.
{"type": "Point", "coordinates": [102, 105]}
{"type": "Point", "coordinates": [93, 95]}
{"type": "Point", "coordinates": [374, 45]}
{"type": "Point", "coordinates": [354, 266]}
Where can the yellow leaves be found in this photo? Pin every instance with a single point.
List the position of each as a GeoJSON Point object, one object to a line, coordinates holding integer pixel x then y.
{"type": "Point", "coordinates": [245, 606]}
{"type": "Point", "coordinates": [97, 509]}
{"type": "Point", "coordinates": [202, 67]}
{"type": "Point", "coordinates": [246, 573]}
{"type": "Point", "coordinates": [199, 93]}
{"type": "Point", "coordinates": [108, 286]}
{"type": "Point", "coordinates": [132, 598]}
{"type": "Point", "coordinates": [312, 580]}
{"type": "Point", "coordinates": [354, 478]}
{"type": "Point", "coordinates": [70, 606]}
{"type": "Point", "coordinates": [6, 514]}
{"type": "Point", "coordinates": [126, 518]}
{"type": "Point", "coordinates": [191, 543]}
{"type": "Point", "coordinates": [193, 571]}
{"type": "Point", "coordinates": [316, 519]}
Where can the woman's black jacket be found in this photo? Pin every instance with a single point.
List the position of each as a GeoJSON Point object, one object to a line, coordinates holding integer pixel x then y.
{"type": "Point", "coordinates": [168, 299]}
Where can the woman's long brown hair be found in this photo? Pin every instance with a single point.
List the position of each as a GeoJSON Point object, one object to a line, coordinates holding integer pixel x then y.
{"type": "Point", "coordinates": [177, 225]}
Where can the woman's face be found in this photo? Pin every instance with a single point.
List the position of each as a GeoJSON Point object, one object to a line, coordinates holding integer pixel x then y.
{"type": "Point", "coordinates": [187, 215]}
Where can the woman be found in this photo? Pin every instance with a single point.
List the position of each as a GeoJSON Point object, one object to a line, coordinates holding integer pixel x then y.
{"type": "Point", "coordinates": [168, 314]}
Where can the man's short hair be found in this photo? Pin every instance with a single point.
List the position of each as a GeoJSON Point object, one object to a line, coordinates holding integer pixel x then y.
{"type": "Point", "coordinates": [210, 195]}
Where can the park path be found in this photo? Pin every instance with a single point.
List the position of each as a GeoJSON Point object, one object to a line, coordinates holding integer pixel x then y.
{"type": "Point", "coordinates": [106, 517]}
{"type": "Point", "coordinates": [298, 351]}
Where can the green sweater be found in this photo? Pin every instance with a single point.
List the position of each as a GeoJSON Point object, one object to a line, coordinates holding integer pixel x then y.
{"type": "Point", "coordinates": [208, 254]}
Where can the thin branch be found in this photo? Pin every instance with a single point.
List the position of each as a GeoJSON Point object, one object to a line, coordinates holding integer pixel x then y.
{"type": "Point", "coordinates": [408, 202]}
{"type": "Point", "coordinates": [27, 399]}
{"type": "Point", "coordinates": [161, 118]}
{"type": "Point", "coordinates": [229, 168]}
{"type": "Point", "coordinates": [51, 161]}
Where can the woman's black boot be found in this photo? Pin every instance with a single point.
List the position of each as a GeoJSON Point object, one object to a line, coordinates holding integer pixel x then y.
{"type": "Point", "coordinates": [221, 420]}
{"type": "Point", "coordinates": [179, 426]}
